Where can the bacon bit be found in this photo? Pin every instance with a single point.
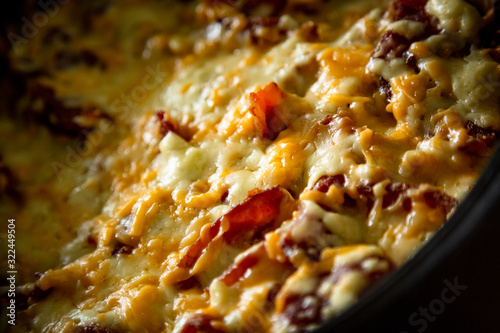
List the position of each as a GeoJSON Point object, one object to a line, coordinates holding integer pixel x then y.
{"type": "Point", "coordinates": [257, 213]}
{"type": "Point", "coordinates": [121, 248]}
{"type": "Point", "coordinates": [407, 204]}
{"type": "Point", "coordinates": [324, 183]}
{"type": "Point", "coordinates": [339, 271]}
{"type": "Point", "coordinates": [411, 61]}
{"type": "Point", "coordinates": [309, 31]}
{"type": "Point", "coordinates": [303, 310]}
{"type": "Point", "coordinates": [203, 323]}
{"type": "Point", "coordinates": [366, 191]}
{"type": "Point", "coordinates": [394, 191]}
{"type": "Point", "coordinates": [190, 283]}
{"type": "Point", "coordinates": [305, 236]}
{"type": "Point", "coordinates": [392, 45]}
{"type": "Point", "coordinates": [237, 270]}
{"type": "Point", "coordinates": [339, 123]}
{"type": "Point", "coordinates": [438, 199]}
{"type": "Point", "coordinates": [224, 196]}
{"type": "Point", "coordinates": [487, 135]}
{"type": "Point", "coordinates": [91, 240]}
{"type": "Point", "coordinates": [263, 106]}
{"type": "Point", "coordinates": [413, 10]}
{"type": "Point", "coordinates": [94, 328]}
{"type": "Point", "coordinates": [385, 88]}
{"type": "Point", "coordinates": [327, 120]}
{"type": "Point", "coordinates": [349, 202]}
{"type": "Point", "coordinates": [166, 123]}
{"type": "Point", "coordinates": [273, 292]}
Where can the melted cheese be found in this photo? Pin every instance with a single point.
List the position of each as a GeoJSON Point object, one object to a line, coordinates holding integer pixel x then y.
{"type": "Point", "coordinates": [149, 222]}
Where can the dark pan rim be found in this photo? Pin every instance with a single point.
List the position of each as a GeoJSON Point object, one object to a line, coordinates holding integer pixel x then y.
{"type": "Point", "coordinates": [477, 209]}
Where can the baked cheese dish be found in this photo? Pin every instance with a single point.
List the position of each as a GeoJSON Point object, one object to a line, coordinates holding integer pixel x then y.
{"type": "Point", "coordinates": [235, 165]}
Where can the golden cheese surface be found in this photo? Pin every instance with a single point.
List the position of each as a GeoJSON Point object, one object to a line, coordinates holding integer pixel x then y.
{"type": "Point", "coordinates": [236, 166]}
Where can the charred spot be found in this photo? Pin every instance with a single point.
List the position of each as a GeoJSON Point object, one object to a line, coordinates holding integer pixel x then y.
{"type": "Point", "coordinates": [121, 248]}
{"type": "Point", "coordinates": [190, 283]}
{"type": "Point", "coordinates": [203, 323]}
{"type": "Point", "coordinates": [303, 310]}
{"type": "Point", "coordinates": [487, 135]}
{"type": "Point", "coordinates": [438, 199]}
{"type": "Point", "coordinates": [324, 183]}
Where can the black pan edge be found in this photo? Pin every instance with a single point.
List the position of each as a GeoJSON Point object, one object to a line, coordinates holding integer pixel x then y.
{"type": "Point", "coordinates": [480, 207]}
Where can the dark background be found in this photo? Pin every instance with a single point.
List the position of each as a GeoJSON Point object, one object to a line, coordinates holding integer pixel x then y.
{"type": "Point", "coordinates": [477, 309]}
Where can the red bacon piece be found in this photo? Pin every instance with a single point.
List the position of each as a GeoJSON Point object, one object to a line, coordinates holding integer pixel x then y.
{"type": "Point", "coordinates": [263, 106]}
{"type": "Point", "coordinates": [259, 212]}
{"type": "Point", "coordinates": [438, 199]}
{"type": "Point", "coordinates": [237, 270]}
{"type": "Point", "coordinates": [486, 135]}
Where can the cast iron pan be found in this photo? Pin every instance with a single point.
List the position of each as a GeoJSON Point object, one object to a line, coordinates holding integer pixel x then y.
{"type": "Point", "coordinates": [463, 253]}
